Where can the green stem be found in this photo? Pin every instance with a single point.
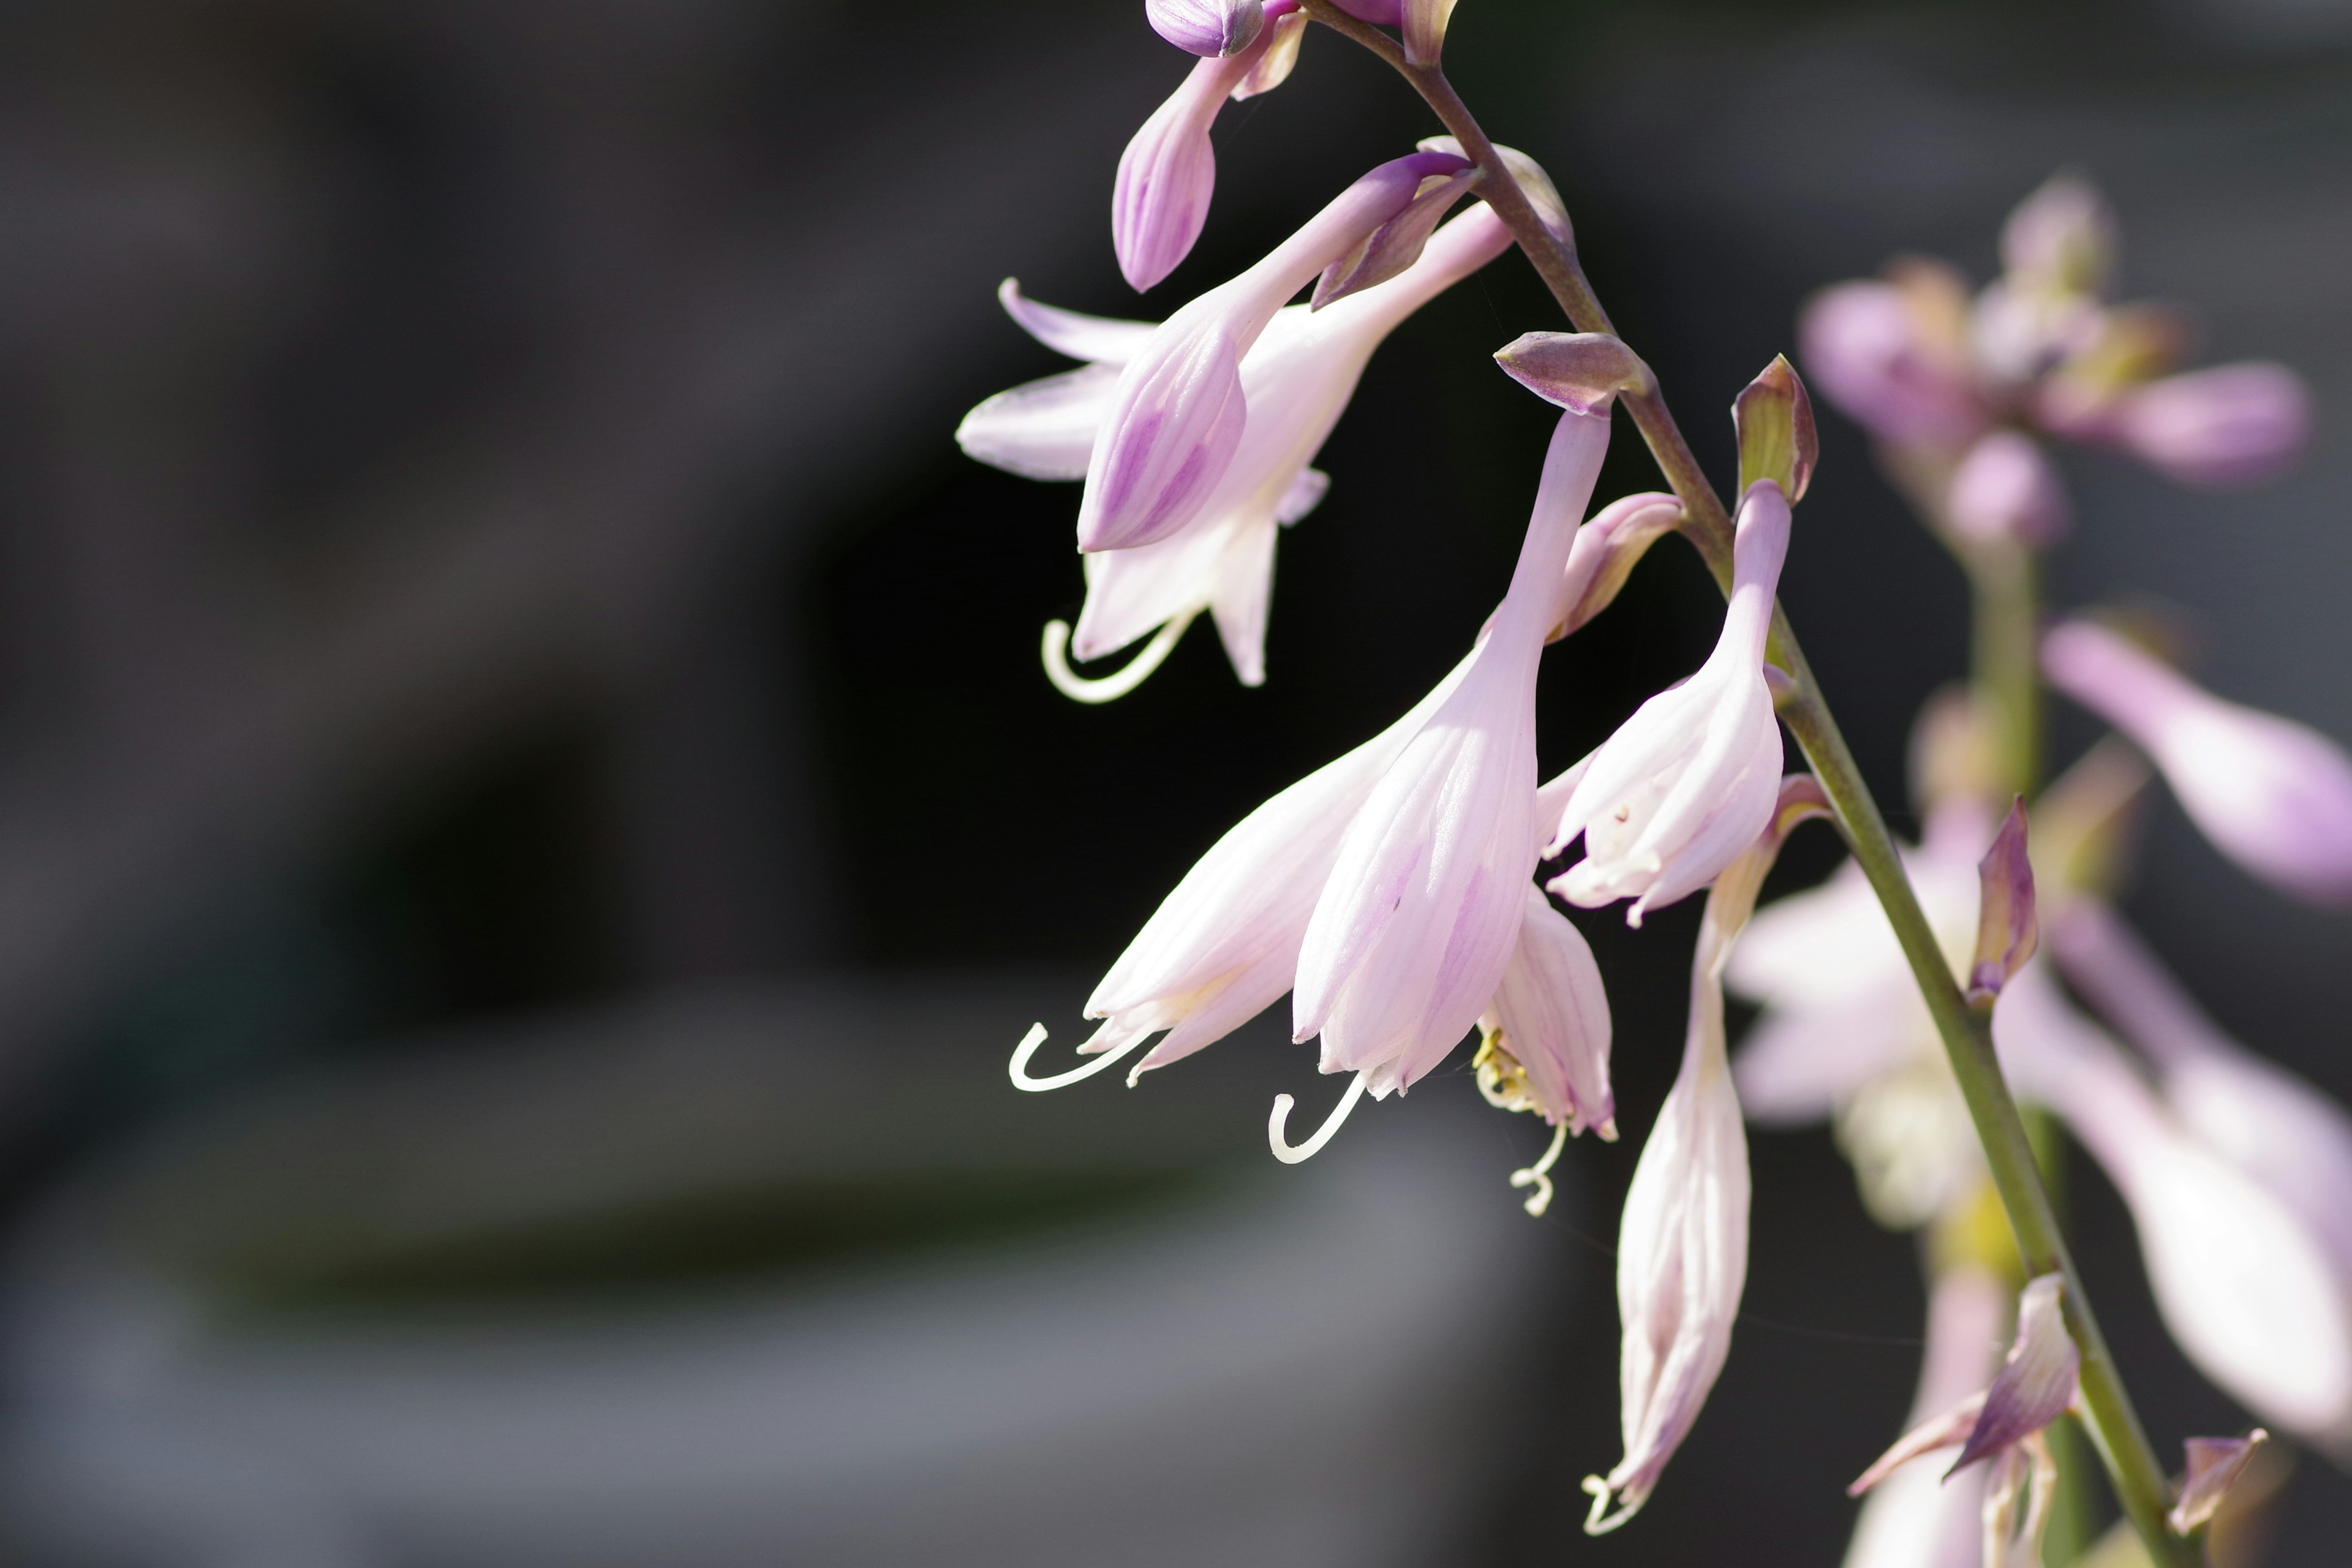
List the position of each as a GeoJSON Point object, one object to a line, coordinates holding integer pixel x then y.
{"type": "Point", "coordinates": [2138, 1479]}
{"type": "Point", "coordinates": [2006, 637]}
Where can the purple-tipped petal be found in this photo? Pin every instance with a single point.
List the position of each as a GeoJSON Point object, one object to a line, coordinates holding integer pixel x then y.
{"type": "Point", "coordinates": [1210, 28]}
{"type": "Point", "coordinates": [2232, 425]}
{"type": "Point", "coordinates": [2273, 794]}
{"type": "Point", "coordinates": [2006, 490]}
{"type": "Point", "coordinates": [2036, 1385]}
{"type": "Point", "coordinates": [2006, 931]}
{"type": "Point", "coordinates": [2214, 1466]}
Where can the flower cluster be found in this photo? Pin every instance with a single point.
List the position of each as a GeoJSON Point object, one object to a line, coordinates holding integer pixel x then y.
{"type": "Point", "coordinates": [1393, 896]}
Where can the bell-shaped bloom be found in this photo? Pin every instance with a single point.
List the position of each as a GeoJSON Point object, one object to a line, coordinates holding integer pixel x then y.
{"type": "Point", "coordinates": [2273, 794]}
{"type": "Point", "coordinates": [1166, 177]}
{"type": "Point", "coordinates": [1256, 916]}
{"type": "Point", "coordinates": [2269, 1123]}
{"type": "Point", "coordinates": [2246, 1290]}
{"type": "Point", "coordinates": [1210, 28]}
{"type": "Point", "coordinates": [1423, 908]}
{"type": "Point", "coordinates": [1916, 1517]}
{"type": "Point", "coordinates": [1297, 381]}
{"type": "Point", "coordinates": [1682, 1244]}
{"type": "Point", "coordinates": [1689, 782]}
{"type": "Point", "coordinates": [2232, 425]}
{"type": "Point", "coordinates": [1178, 413]}
{"type": "Point", "coordinates": [2007, 490]}
{"type": "Point", "coordinates": [1545, 1045]}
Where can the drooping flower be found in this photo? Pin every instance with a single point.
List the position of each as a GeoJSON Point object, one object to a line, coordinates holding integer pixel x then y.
{"type": "Point", "coordinates": [1297, 381]}
{"type": "Point", "coordinates": [1913, 1516]}
{"type": "Point", "coordinates": [1689, 782]}
{"type": "Point", "coordinates": [2271, 793]}
{"type": "Point", "coordinates": [1178, 413]}
{"type": "Point", "coordinates": [1423, 908]}
{"type": "Point", "coordinates": [1390, 888]}
{"type": "Point", "coordinates": [1169, 171]}
{"type": "Point", "coordinates": [2004, 1424]}
{"type": "Point", "coordinates": [1682, 1245]}
{"type": "Point", "coordinates": [1546, 1034]}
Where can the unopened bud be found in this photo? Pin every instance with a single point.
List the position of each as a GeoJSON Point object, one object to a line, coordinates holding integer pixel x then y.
{"type": "Point", "coordinates": [1775, 421]}
{"type": "Point", "coordinates": [1607, 549]}
{"type": "Point", "coordinates": [1396, 244]}
{"type": "Point", "coordinates": [2006, 490]}
{"type": "Point", "coordinates": [1577, 371]}
{"type": "Point", "coordinates": [2061, 239]}
{"type": "Point", "coordinates": [2214, 1466]}
{"type": "Point", "coordinates": [1533, 183]}
{"type": "Point", "coordinates": [1424, 30]}
{"type": "Point", "coordinates": [2006, 931]}
{"type": "Point", "coordinates": [1210, 28]}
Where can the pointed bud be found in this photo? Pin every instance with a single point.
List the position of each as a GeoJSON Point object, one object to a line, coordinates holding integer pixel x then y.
{"type": "Point", "coordinates": [1578, 370]}
{"type": "Point", "coordinates": [1209, 28]}
{"type": "Point", "coordinates": [1424, 30]}
{"type": "Point", "coordinates": [1396, 244]}
{"type": "Point", "coordinates": [2061, 239]}
{"type": "Point", "coordinates": [1775, 421]}
{"type": "Point", "coordinates": [2036, 1384]}
{"type": "Point", "coordinates": [2214, 1466]}
{"type": "Point", "coordinates": [2006, 933]}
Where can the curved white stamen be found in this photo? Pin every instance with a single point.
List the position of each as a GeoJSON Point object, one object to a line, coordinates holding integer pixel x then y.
{"type": "Point", "coordinates": [1279, 1120]}
{"type": "Point", "coordinates": [1595, 1524]}
{"type": "Point", "coordinates": [1019, 1067]}
{"type": "Point", "coordinates": [1539, 1175]}
{"type": "Point", "coordinates": [1108, 688]}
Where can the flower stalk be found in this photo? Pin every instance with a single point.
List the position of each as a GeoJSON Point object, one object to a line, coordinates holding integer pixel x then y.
{"type": "Point", "coordinates": [2138, 1477]}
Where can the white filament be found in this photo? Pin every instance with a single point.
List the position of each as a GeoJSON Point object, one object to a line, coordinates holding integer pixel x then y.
{"type": "Point", "coordinates": [1279, 1120]}
{"type": "Point", "coordinates": [1019, 1067]}
{"type": "Point", "coordinates": [1539, 1175]}
{"type": "Point", "coordinates": [1108, 688]}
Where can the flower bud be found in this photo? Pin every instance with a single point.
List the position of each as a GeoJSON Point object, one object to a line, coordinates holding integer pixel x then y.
{"type": "Point", "coordinates": [1396, 244]}
{"type": "Point", "coordinates": [1211, 29]}
{"type": "Point", "coordinates": [2233, 425]}
{"type": "Point", "coordinates": [2007, 490]}
{"type": "Point", "coordinates": [1578, 370]}
{"type": "Point", "coordinates": [2006, 933]}
{"type": "Point", "coordinates": [1608, 547]}
{"type": "Point", "coordinates": [2061, 239]}
{"type": "Point", "coordinates": [1775, 421]}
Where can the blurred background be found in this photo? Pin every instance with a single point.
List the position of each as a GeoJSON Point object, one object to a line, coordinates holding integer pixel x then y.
{"type": "Point", "coordinates": [529, 819]}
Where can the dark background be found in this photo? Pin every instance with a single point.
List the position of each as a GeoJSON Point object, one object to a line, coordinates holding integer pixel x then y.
{"type": "Point", "coordinates": [480, 543]}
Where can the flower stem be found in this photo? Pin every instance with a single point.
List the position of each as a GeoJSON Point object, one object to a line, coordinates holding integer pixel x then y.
{"type": "Point", "coordinates": [2138, 1479]}
{"type": "Point", "coordinates": [2005, 637]}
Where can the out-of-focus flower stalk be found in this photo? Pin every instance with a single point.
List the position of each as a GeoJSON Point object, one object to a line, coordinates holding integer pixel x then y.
{"type": "Point", "coordinates": [2139, 1480]}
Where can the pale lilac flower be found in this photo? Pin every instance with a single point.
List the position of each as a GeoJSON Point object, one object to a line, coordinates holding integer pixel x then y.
{"type": "Point", "coordinates": [1689, 782]}
{"type": "Point", "coordinates": [1876, 350]}
{"type": "Point", "coordinates": [1166, 177]}
{"type": "Point", "coordinates": [1178, 413]}
{"type": "Point", "coordinates": [1682, 1244]}
{"type": "Point", "coordinates": [1914, 1517]}
{"type": "Point", "coordinates": [2232, 425]}
{"type": "Point", "coordinates": [1269, 907]}
{"type": "Point", "coordinates": [2269, 1123]}
{"type": "Point", "coordinates": [1545, 1045]}
{"type": "Point", "coordinates": [2271, 793]}
{"type": "Point", "coordinates": [1412, 934]}
{"type": "Point", "coordinates": [2006, 489]}
{"type": "Point", "coordinates": [2247, 1291]}
{"type": "Point", "coordinates": [2005, 1423]}
{"type": "Point", "coordinates": [1210, 28]}
{"type": "Point", "coordinates": [1297, 381]}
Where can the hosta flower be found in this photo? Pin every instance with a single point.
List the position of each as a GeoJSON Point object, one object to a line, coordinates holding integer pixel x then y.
{"type": "Point", "coordinates": [1545, 1045]}
{"type": "Point", "coordinates": [1169, 171]}
{"type": "Point", "coordinates": [1927, 370]}
{"type": "Point", "coordinates": [2273, 794]}
{"type": "Point", "coordinates": [1178, 412]}
{"type": "Point", "coordinates": [1689, 782]}
{"type": "Point", "coordinates": [1682, 1244]}
{"type": "Point", "coordinates": [1295, 380]}
{"type": "Point", "coordinates": [1390, 888]}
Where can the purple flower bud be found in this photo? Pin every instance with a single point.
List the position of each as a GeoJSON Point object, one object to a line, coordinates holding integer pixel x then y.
{"type": "Point", "coordinates": [1579, 371]}
{"type": "Point", "coordinates": [2273, 794]}
{"type": "Point", "coordinates": [2036, 1384]}
{"type": "Point", "coordinates": [2233, 425]}
{"type": "Point", "coordinates": [2007, 490]}
{"type": "Point", "coordinates": [1210, 28]}
{"type": "Point", "coordinates": [2006, 933]}
{"type": "Point", "coordinates": [1775, 421]}
{"type": "Point", "coordinates": [1396, 244]}
{"type": "Point", "coordinates": [2214, 1466]}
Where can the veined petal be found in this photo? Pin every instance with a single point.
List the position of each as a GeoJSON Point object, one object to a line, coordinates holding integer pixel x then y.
{"type": "Point", "coordinates": [1101, 340]}
{"type": "Point", "coordinates": [2036, 1384]}
{"type": "Point", "coordinates": [1243, 595]}
{"type": "Point", "coordinates": [1206, 27]}
{"type": "Point", "coordinates": [1551, 1016]}
{"type": "Point", "coordinates": [1169, 171]}
{"type": "Point", "coordinates": [1042, 429]}
{"type": "Point", "coordinates": [1131, 593]}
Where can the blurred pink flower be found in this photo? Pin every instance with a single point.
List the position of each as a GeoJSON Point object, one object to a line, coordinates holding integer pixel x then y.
{"type": "Point", "coordinates": [1688, 783]}
{"type": "Point", "coordinates": [2233, 425]}
{"type": "Point", "coordinates": [2006, 489]}
{"type": "Point", "coordinates": [2273, 794]}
